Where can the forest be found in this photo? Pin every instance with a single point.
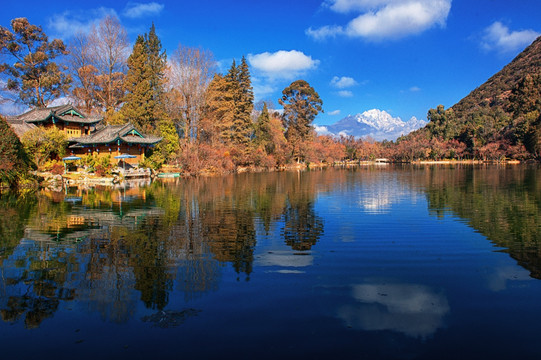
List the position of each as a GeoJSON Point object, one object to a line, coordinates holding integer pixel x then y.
{"type": "Point", "coordinates": [210, 123]}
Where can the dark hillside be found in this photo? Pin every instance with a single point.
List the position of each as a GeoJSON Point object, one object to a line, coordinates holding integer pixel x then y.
{"type": "Point", "coordinates": [499, 119]}
{"type": "Point", "coordinates": [496, 91]}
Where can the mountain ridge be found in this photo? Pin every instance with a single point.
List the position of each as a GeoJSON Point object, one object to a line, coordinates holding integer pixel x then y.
{"type": "Point", "coordinates": [376, 124]}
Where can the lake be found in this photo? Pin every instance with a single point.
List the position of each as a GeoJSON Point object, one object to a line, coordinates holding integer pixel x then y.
{"type": "Point", "coordinates": [375, 262]}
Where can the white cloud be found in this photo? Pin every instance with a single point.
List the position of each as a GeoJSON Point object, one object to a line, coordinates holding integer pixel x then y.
{"type": "Point", "coordinates": [343, 82]}
{"type": "Point", "coordinates": [415, 89]}
{"type": "Point", "coordinates": [345, 93]}
{"type": "Point", "coordinates": [282, 64]}
{"type": "Point", "coordinates": [69, 23]}
{"type": "Point", "coordinates": [138, 10]}
{"type": "Point", "coordinates": [322, 130]}
{"type": "Point", "coordinates": [498, 37]}
{"type": "Point", "coordinates": [325, 32]}
{"type": "Point", "coordinates": [334, 112]}
{"type": "Point", "coordinates": [385, 19]}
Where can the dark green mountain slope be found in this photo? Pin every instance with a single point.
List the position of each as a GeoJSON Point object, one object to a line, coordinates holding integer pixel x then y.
{"type": "Point", "coordinates": [504, 111]}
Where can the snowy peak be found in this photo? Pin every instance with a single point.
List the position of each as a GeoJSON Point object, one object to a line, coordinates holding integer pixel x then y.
{"type": "Point", "coordinates": [380, 120]}
{"type": "Point", "coordinates": [374, 123]}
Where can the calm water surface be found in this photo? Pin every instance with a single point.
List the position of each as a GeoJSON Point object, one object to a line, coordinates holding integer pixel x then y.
{"type": "Point", "coordinates": [375, 262]}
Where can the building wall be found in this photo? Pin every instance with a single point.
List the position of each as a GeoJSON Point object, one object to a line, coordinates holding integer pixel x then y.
{"type": "Point", "coordinates": [112, 151]}
{"type": "Point", "coordinates": [71, 130]}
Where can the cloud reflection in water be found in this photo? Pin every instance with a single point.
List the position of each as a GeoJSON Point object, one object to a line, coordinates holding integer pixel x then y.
{"type": "Point", "coordinates": [414, 310]}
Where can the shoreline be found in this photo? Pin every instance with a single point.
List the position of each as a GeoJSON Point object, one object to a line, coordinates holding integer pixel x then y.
{"type": "Point", "coordinates": [59, 181]}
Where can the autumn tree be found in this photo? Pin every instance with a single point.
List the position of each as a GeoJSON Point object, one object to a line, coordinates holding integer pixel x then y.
{"type": "Point", "coordinates": [217, 123]}
{"type": "Point", "coordinates": [45, 144]}
{"type": "Point", "coordinates": [13, 159]}
{"type": "Point", "coordinates": [33, 74]}
{"type": "Point", "coordinates": [98, 65]}
{"type": "Point", "coordinates": [230, 102]}
{"type": "Point", "coordinates": [301, 105]}
{"type": "Point", "coordinates": [189, 74]}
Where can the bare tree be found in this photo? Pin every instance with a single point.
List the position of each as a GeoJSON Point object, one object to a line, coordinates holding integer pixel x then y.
{"type": "Point", "coordinates": [98, 63]}
{"type": "Point", "coordinates": [189, 73]}
{"type": "Point", "coordinates": [83, 72]}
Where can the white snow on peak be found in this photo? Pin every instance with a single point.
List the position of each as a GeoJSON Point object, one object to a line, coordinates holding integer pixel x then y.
{"type": "Point", "coordinates": [375, 123]}
{"type": "Point", "coordinates": [380, 120]}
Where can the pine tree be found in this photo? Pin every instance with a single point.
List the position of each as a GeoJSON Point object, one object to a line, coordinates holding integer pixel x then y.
{"type": "Point", "coordinates": [245, 103]}
{"type": "Point", "coordinates": [230, 104]}
{"type": "Point", "coordinates": [157, 62]}
{"type": "Point", "coordinates": [219, 117]}
{"type": "Point", "coordinates": [138, 101]}
{"type": "Point", "coordinates": [263, 131]}
{"type": "Point", "coordinates": [240, 89]}
{"type": "Point", "coordinates": [144, 103]}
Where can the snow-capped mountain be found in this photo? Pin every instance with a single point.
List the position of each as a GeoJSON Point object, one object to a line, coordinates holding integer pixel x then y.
{"type": "Point", "coordinates": [377, 124]}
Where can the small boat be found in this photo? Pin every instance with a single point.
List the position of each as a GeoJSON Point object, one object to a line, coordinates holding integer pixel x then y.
{"type": "Point", "coordinates": [169, 175]}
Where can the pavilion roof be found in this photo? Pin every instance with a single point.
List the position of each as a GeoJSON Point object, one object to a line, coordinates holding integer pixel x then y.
{"type": "Point", "coordinates": [112, 133]}
{"type": "Point", "coordinates": [67, 113]}
{"type": "Point", "coordinates": [19, 126]}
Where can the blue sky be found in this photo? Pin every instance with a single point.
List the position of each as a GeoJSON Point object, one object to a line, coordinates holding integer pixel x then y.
{"type": "Point", "coordinates": [401, 56]}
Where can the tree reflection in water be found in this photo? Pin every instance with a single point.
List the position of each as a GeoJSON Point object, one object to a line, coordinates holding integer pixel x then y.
{"type": "Point", "coordinates": [100, 247]}
{"type": "Point", "coordinates": [114, 249]}
{"type": "Point", "coordinates": [302, 226]}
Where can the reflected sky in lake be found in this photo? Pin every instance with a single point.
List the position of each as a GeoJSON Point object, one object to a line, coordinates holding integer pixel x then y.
{"type": "Point", "coordinates": [370, 262]}
{"type": "Point", "coordinates": [414, 310]}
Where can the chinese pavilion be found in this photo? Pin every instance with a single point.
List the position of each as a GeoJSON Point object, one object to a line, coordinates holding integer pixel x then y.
{"type": "Point", "coordinates": [85, 134]}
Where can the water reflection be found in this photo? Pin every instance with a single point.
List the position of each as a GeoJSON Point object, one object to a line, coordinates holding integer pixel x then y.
{"type": "Point", "coordinates": [411, 309]}
{"type": "Point", "coordinates": [382, 189]}
{"type": "Point", "coordinates": [498, 280]}
{"type": "Point", "coordinates": [502, 203]}
{"type": "Point", "coordinates": [285, 259]}
{"type": "Point", "coordinates": [112, 250]}
{"type": "Point", "coordinates": [98, 245]}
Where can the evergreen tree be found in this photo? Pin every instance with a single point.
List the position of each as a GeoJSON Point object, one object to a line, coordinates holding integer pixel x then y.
{"type": "Point", "coordinates": [246, 96]}
{"type": "Point", "coordinates": [138, 100]}
{"type": "Point", "coordinates": [144, 101]}
{"type": "Point", "coordinates": [219, 117]}
{"type": "Point", "coordinates": [239, 88]}
{"type": "Point", "coordinates": [157, 62]}
{"type": "Point", "coordinates": [301, 105]}
{"type": "Point", "coordinates": [263, 131]}
{"type": "Point", "coordinates": [244, 104]}
{"type": "Point", "coordinates": [230, 102]}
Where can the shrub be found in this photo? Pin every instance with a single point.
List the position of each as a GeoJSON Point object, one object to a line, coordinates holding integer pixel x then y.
{"type": "Point", "coordinates": [57, 168]}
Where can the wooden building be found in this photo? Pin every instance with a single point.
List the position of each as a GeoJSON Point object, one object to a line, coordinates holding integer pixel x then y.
{"type": "Point", "coordinates": [71, 121]}
{"type": "Point", "coordinates": [114, 140]}
{"type": "Point", "coordinates": [86, 134]}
